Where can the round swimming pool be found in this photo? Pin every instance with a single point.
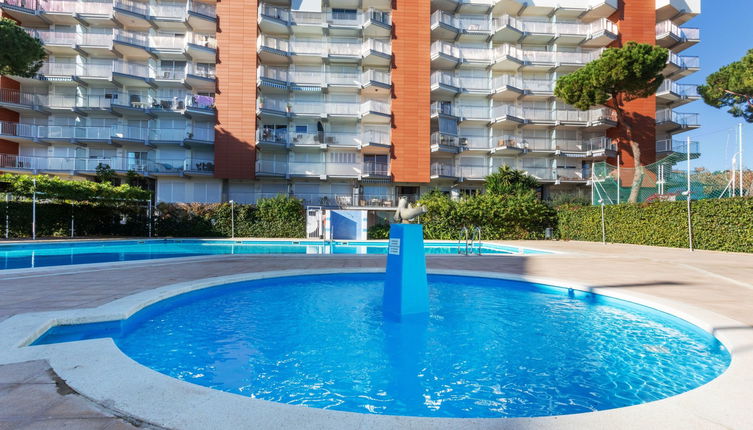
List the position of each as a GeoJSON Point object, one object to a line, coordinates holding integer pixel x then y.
{"type": "Point", "coordinates": [490, 347]}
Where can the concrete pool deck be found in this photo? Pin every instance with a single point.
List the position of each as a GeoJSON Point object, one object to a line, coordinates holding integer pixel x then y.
{"type": "Point", "coordinates": [703, 282]}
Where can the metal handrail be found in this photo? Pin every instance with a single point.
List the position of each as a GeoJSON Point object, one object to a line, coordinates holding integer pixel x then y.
{"type": "Point", "coordinates": [476, 238]}
{"type": "Point", "coordinates": [463, 235]}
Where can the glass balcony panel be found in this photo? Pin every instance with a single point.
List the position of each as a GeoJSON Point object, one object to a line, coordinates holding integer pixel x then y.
{"type": "Point", "coordinates": [306, 169]}
{"type": "Point", "coordinates": [205, 9]}
{"type": "Point", "coordinates": [97, 39]}
{"type": "Point", "coordinates": [168, 10]}
{"type": "Point", "coordinates": [306, 18]}
{"type": "Point", "coordinates": [96, 8]}
{"type": "Point", "coordinates": [343, 169]}
{"type": "Point", "coordinates": [133, 6]}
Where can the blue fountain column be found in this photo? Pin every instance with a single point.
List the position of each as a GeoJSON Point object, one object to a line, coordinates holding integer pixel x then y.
{"type": "Point", "coordinates": [406, 289]}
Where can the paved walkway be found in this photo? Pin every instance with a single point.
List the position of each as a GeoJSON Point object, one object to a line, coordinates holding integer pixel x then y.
{"type": "Point", "coordinates": [720, 282]}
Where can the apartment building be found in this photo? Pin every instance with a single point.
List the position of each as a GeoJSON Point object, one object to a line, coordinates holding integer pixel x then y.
{"type": "Point", "coordinates": [342, 103]}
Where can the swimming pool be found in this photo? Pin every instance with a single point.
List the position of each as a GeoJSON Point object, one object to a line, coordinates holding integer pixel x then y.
{"type": "Point", "coordinates": [489, 348]}
{"type": "Point", "coordinates": [31, 255]}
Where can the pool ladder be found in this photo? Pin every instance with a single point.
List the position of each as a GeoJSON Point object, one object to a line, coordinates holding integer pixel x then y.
{"type": "Point", "coordinates": [470, 239]}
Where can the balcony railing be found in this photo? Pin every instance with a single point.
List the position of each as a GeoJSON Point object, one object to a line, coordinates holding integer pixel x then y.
{"type": "Point", "coordinates": [681, 146]}
{"type": "Point", "coordinates": [17, 97]}
{"type": "Point", "coordinates": [332, 17]}
{"type": "Point", "coordinates": [358, 138]}
{"type": "Point", "coordinates": [14, 129]}
{"type": "Point", "coordinates": [684, 62]}
{"type": "Point", "coordinates": [680, 33]}
{"type": "Point", "coordinates": [325, 77]}
{"type": "Point", "coordinates": [122, 164]}
{"type": "Point", "coordinates": [682, 90]}
{"type": "Point", "coordinates": [472, 172]}
{"type": "Point", "coordinates": [442, 169]}
{"type": "Point", "coordinates": [683, 119]}
{"type": "Point", "coordinates": [560, 28]}
{"type": "Point", "coordinates": [170, 11]}
{"type": "Point", "coordinates": [133, 6]}
{"type": "Point", "coordinates": [544, 57]}
{"type": "Point", "coordinates": [205, 9]}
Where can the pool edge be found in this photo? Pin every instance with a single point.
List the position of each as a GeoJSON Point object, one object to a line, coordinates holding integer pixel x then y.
{"type": "Point", "coordinates": [96, 375]}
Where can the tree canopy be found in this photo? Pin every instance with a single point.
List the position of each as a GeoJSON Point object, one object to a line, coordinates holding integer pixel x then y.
{"type": "Point", "coordinates": [732, 87]}
{"type": "Point", "coordinates": [618, 76]}
{"type": "Point", "coordinates": [508, 181]}
{"type": "Point", "coordinates": [21, 54]}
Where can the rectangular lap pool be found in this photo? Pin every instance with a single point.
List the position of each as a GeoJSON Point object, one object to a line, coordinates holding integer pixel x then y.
{"type": "Point", "coordinates": [29, 255]}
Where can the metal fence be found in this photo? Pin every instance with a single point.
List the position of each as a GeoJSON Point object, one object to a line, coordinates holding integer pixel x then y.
{"type": "Point", "coordinates": [669, 179]}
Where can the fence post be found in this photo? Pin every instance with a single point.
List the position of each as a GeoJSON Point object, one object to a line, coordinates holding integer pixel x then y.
{"type": "Point", "coordinates": [149, 217]}
{"type": "Point", "coordinates": [73, 217]}
{"type": "Point", "coordinates": [7, 215]}
{"type": "Point", "coordinates": [603, 224]}
{"type": "Point", "coordinates": [688, 197]}
{"type": "Point", "coordinates": [34, 212]}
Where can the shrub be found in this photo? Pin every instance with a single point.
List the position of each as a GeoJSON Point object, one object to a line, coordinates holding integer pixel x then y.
{"type": "Point", "coordinates": [280, 216]}
{"type": "Point", "coordinates": [516, 216]}
{"type": "Point", "coordinates": [378, 231]}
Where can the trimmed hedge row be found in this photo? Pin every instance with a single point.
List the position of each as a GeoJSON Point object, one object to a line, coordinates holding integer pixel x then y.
{"type": "Point", "coordinates": [54, 219]}
{"type": "Point", "coordinates": [279, 216]}
{"type": "Point", "coordinates": [718, 224]}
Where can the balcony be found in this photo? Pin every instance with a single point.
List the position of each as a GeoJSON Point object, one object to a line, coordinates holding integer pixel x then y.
{"type": "Point", "coordinates": [472, 114]}
{"type": "Point", "coordinates": [679, 66]}
{"type": "Point", "coordinates": [506, 115]}
{"type": "Point", "coordinates": [27, 164]}
{"type": "Point", "coordinates": [676, 38]}
{"type": "Point", "coordinates": [307, 169]}
{"type": "Point", "coordinates": [202, 17]}
{"type": "Point", "coordinates": [271, 168]}
{"type": "Point", "coordinates": [506, 145]}
{"type": "Point", "coordinates": [439, 170]}
{"type": "Point", "coordinates": [443, 109]}
{"type": "Point", "coordinates": [672, 94]}
{"type": "Point", "coordinates": [511, 59]}
{"type": "Point", "coordinates": [441, 142]}
{"type": "Point", "coordinates": [16, 132]}
{"type": "Point", "coordinates": [132, 44]}
{"type": "Point", "coordinates": [511, 87]}
{"type": "Point", "coordinates": [596, 34]}
{"type": "Point", "coordinates": [278, 78]}
{"type": "Point", "coordinates": [370, 23]}
{"type": "Point", "coordinates": [132, 14]}
{"type": "Point", "coordinates": [468, 172]}
{"type": "Point", "coordinates": [22, 102]}
{"type": "Point", "coordinates": [671, 122]}
{"type": "Point", "coordinates": [374, 141]}
{"type": "Point", "coordinates": [680, 11]}
{"type": "Point", "coordinates": [675, 151]}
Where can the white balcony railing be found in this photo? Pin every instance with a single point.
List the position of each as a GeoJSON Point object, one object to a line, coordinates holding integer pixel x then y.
{"type": "Point", "coordinates": [680, 33]}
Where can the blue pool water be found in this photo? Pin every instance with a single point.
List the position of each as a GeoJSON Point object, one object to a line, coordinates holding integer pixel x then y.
{"type": "Point", "coordinates": [20, 256]}
{"type": "Point", "coordinates": [490, 347]}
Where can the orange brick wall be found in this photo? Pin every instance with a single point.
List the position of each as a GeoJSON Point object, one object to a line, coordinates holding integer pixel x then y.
{"type": "Point", "coordinates": [637, 22]}
{"type": "Point", "coordinates": [235, 132]}
{"type": "Point", "coordinates": [7, 147]}
{"type": "Point", "coordinates": [411, 90]}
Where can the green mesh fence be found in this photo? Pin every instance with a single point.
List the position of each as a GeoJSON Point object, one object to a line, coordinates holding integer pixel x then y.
{"type": "Point", "coordinates": [666, 180]}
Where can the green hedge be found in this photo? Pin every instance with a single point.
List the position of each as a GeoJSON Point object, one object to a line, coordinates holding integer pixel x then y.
{"type": "Point", "coordinates": [280, 216]}
{"type": "Point", "coordinates": [718, 224]}
{"type": "Point", "coordinates": [54, 219]}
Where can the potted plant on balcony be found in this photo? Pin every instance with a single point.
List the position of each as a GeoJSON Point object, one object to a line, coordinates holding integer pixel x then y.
{"type": "Point", "coordinates": [290, 107]}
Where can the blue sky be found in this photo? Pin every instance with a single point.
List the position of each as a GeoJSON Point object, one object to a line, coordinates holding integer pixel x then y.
{"type": "Point", "coordinates": [726, 36]}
